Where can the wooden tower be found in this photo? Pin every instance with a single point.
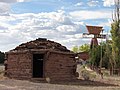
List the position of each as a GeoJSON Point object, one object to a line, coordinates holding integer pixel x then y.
{"type": "Point", "coordinates": [96, 31]}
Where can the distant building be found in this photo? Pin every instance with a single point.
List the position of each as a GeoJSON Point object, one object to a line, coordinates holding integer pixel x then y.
{"type": "Point", "coordinates": [83, 57]}
{"type": "Point", "coordinates": [41, 59]}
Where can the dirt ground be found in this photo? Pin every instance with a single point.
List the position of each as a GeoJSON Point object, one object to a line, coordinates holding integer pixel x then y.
{"type": "Point", "coordinates": [10, 84]}
{"type": "Point", "coordinates": [108, 83]}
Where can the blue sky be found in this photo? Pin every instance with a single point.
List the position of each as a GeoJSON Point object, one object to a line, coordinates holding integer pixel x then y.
{"type": "Point", "coordinates": [60, 20]}
{"type": "Point", "coordinates": [37, 6]}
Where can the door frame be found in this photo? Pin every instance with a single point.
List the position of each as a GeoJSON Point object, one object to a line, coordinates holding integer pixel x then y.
{"type": "Point", "coordinates": [43, 63]}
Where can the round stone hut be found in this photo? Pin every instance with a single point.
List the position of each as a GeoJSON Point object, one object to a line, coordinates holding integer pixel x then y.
{"type": "Point", "coordinates": [41, 59]}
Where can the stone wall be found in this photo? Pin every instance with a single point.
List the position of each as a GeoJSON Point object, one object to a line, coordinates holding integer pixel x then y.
{"type": "Point", "coordinates": [19, 65]}
{"type": "Point", "coordinates": [57, 65]}
{"type": "Point", "coordinates": [60, 66]}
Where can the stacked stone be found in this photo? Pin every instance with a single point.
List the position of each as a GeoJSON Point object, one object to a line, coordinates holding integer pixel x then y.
{"type": "Point", "coordinates": [63, 68]}
{"type": "Point", "coordinates": [19, 65]}
{"type": "Point", "coordinates": [42, 43]}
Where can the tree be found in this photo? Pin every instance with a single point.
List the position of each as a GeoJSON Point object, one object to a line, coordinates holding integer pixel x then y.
{"type": "Point", "coordinates": [115, 35]}
{"type": "Point", "coordinates": [96, 54]}
{"type": "Point", "coordinates": [75, 49]}
{"type": "Point", "coordinates": [84, 48]}
{"type": "Point", "coordinates": [107, 58]}
{"type": "Point", "coordinates": [2, 56]}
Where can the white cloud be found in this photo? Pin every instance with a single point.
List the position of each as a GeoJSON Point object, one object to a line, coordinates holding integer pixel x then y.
{"type": "Point", "coordinates": [79, 4]}
{"type": "Point", "coordinates": [108, 3]}
{"type": "Point", "coordinates": [85, 14]}
{"type": "Point", "coordinates": [64, 28]}
{"type": "Point", "coordinates": [93, 3]}
{"type": "Point", "coordinates": [105, 24]}
{"type": "Point", "coordinates": [8, 1]}
{"type": "Point", "coordinates": [4, 7]}
{"type": "Point", "coordinates": [12, 1]}
{"type": "Point", "coordinates": [58, 26]}
{"type": "Point", "coordinates": [18, 28]}
{"type": "Point", "coordinates": [20, 0]}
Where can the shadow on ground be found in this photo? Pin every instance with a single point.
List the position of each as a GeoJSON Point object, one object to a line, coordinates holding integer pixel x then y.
{"type": "Point", "coordinates": [84, 83]}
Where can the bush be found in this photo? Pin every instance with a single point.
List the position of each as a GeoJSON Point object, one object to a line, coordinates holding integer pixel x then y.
{"type": "Point", "coordinates": [87, 75]}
